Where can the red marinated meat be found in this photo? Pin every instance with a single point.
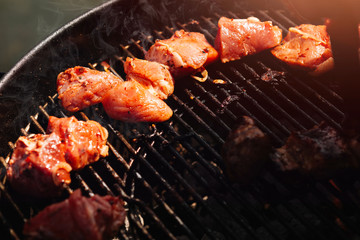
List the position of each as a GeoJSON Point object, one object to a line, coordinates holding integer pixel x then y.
{"type": "Point", "coordinates": [237, 38]}
{"type": "Point", "coordinates": [78, 217]}
{"type": "Point", "coordinates": [80, 87]}
{"type": "Point", "coordinates": [155, 77]}
{"type": "Point", "coordinates": [184, 52]}
{"type": "Point", "coordinates": [37, 166]}
{"type": "Point", "coordinates": [130, 101]}
{"type": "Point", "coordinates": [306, 47]}
{"type": "Point", "coordinates": [85, 141]}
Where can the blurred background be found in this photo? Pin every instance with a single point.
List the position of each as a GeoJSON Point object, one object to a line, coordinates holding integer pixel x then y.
{"type": "Point", "coordinates": [25, 23]}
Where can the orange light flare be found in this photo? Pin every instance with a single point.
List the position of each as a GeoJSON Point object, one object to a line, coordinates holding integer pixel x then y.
{"type": "Point", "coordinates": [334, 185]}
{"type": "Point", "coordinates": [343, 28]}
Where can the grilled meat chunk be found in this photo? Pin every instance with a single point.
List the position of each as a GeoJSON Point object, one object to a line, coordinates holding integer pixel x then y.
{"type": "Point", "coordinates": [320, 152]}
{"type": "Point", "coordinates": [237, 38]}
{"type": "Point", "coordinates": [184, 52]}
{"type": "Point", "coordinates": [37, 166]}
{"type": "Point", "coordinates": [85, 141]}
{"type": "Point", "coordinates": [78, 217]}
{"type": "Point", "coordinates": [306, 47]}
{"type": "Point", "coordinates": [130, 101]}
{"type": "Point", "coordinates": [245, 151]}
{"type": "Point", "coordinates": [80, 87]}
{"type": "Point", "coordinates": [155, 77]}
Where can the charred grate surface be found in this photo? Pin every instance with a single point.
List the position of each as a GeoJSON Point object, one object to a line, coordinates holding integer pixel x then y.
{"type": "Point", "coordinates": [171, 174]}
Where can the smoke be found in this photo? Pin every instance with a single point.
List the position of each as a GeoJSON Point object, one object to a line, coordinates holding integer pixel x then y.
{"type": "Point", "coordinates": [54, 14]}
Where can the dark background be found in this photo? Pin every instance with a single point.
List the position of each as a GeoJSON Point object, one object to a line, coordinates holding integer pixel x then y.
{"type": "Point", "coordinates": [25, 23]}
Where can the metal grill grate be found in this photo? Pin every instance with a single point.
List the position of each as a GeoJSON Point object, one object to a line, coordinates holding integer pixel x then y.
{"type": "Point", "coordinates": [170, 174]}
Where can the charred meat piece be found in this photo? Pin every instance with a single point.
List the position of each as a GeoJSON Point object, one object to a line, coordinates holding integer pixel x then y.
{"type": "Point", "coordinates": [184, 52]}
{"type": "Point", "coordinates": [37, 166]}
{"type": "Point", "coordinates": [245, 152]}
{"type": "Point", "coordinates": [78, 217]}
{"type": "Point", "coordinates": [306, 47]}
{"type": "Point", "coordinates": [80, 87]}
{"type": "Point", "coordinates": [320, 152]}
{"type": "Point", "coordinates": [130, 101]}
{"type": "Point", "coordinates": [237, 38]}
{"type": "Point", "coordinates": [84, 141]}
{"type": "Point", "coordinates": [155, 77]}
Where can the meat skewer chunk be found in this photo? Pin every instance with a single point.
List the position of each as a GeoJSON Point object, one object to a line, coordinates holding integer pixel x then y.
{"type": "Point", "coordinates": [319, 151]}
{"type": "Point", "coordinates": [155, 77]}
{"type": "Point", "coordinates": [237, 38]}
{"type": "Point", "coordinates": [37, 166]}
{"type": "Point", "coordinates": [78, 217]}
{"type": "Point", "coordinates": [306, 47]}
{"type": "Point", "coordinates": [40, 164]}
{"type": "Point", "coordinates": [85, 141]}
{"type": "Point", "coordinates": [130, 101]}
{"type": "Point", "coordinates": [184, 53]}
{"type": "Point", "coordinates": [81, 87]}
{"type": "Point", "coordinates": [245, 151]}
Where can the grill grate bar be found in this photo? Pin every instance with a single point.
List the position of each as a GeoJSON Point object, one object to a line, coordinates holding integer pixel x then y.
{"type": "Point", "coordinates": [312, 105]}
{"type": "Point", "coordinates": [247, 112]}
{"type": "Point", "coordinates": [255, 214]}
{"type": "Point", "coordinates": [281, 14]}
{"type": "Point", "coordinates": [267, 16]}
{"type": "Point", "coordinates": [215, 154]}
{"type": "Point", "coordinates": [258, 105]}
{"type": "Point", "coordinates": [295, 106]}
{"type": "Point", "coordinates": [196, 196]}
{"type": "Point", "coordinates": [216, 102]}
{"type": "Point", "coordinates": [14, 205]}
{"type": "Point", "coordinates": [207, 109]}
{"type": "Point", "coordinates": [158, 222]}
{"type": "Point", "coordinates": [140, 203]}
{"type": "Point", "coordinates": [298, 222]}
{"type": "Point", "coordinates": [11, 231]}
{"type": "Point", "coordinates": [144, 231]}
{"type": "Point", "coordinates": [198, 119]}
{"type": "Point", "coordinates": [332, 203]}
{"type": "Point", "coordinates": [163, 182]}
{"type": "Point", "coordinates": [321, 112]}
{"type": "Point", "coordinates": [82, 184]}
{"type": "Point", "coordinates": [308, 204]}
{"type": "Point", "coordinates": [330, 105]}
{"type": "Point", "coordinates": [222, 181]}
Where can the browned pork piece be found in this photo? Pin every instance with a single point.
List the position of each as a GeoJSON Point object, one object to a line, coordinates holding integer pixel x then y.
{"type": "Point", "coordinates": [306, 47]}
{"type": "Point", "coordinates": [37, 166]}
{"type": "Point", "coordinates": [155, 77]}
{"type": "Point", "coordinates": [184, 52]}
{"type": "Point", "coordinates": [245, 151]}
{"type": "Point", "coordinates": [84, 141]}
{"type": "Point", "coordinates": [130, 101]}
{"type": "Point", "coordinates": [237, 38]}
{"type": "Point", "coordinates": [81, 87]}
{"type": "Point", "coordinates": [78, 217]}
{"type": "Point", "coordinates": [320, 152]}
{"type": "Point", "coordinates": [41, 164]}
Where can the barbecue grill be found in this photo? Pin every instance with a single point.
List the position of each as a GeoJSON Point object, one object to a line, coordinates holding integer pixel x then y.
{"type": "Point", "coordinates": [171, 174]}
